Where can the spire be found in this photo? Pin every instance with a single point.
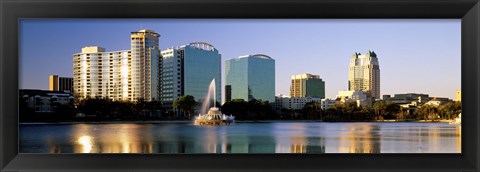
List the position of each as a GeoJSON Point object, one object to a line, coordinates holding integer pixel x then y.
{"type": "Point", "coordinates": [372, 54]}
{"type": "Point", "coordinates": [355, 55]}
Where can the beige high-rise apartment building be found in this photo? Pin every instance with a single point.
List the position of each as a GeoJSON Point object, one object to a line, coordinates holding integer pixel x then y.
{"type": "Point", "coordinates": [364, 74]}
{"type": "Point", "coordinates": [129, 75]}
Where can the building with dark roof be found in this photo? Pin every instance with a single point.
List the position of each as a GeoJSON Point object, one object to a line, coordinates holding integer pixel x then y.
{"type": "Point", "coordinates": [45, 100]}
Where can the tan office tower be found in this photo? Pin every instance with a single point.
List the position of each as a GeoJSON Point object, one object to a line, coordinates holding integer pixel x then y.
{"type": "Point", "coordinates": [57, 83]}
{"type": "Point", "coordinates": [307, 85]}
{"type": "Point", "coordinates": [458, 95]}
{"type": "Point", "coordinates": [129, 75]}
{"type": "Point", "coordinates": [364, 74]}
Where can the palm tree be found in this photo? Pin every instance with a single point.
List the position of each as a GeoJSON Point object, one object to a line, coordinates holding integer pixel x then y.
{"type": "Point", "coordinates": [427, 111]}
{"type": "Point", "coordinates": [392, 108]}
{"type": "Point", "coordinates": [379, 108]}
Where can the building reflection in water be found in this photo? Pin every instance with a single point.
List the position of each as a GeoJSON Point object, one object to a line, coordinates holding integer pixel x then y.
{"type": "Point", "coordinates": [458, 138]}
{"type": "Point", "coordinates": [249, 138]}
{"type": "Point", "coordinates": [86, 142]}
{"type": "Point", "coordinates": [360, 138]}
{"type": "Point", "coordinates": [299, 138]}
{"type": "Point", "coordinates": [111, 138]}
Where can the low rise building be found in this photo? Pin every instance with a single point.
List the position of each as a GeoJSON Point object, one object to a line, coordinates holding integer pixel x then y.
{"type": "Point", "coordinates": [327, 103]}
{"type": "Point", "coordinates": [294, 103]}
{"type": "Point", "coordinates": [415, 99]}
{"type": "Point", "coordinates": [437, 101]}
{"type": "Point", "coordinates": [358, 96]}
{"type": "Point", "coordinates": [45, 101]}
{"type": "Point", "coordinates": [407, 98]}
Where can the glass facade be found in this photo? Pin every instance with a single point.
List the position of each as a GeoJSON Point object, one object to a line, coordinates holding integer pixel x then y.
{"type": "Point", "coordinates": [314, 88]}
{"type": "Point", "coordinates": [188, 70]}
{"type": "Point", "coordinates": [251, 77]}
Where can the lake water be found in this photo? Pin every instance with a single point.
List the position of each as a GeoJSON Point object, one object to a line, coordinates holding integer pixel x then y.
{"type": "Point", "coordinates": [274, 137]}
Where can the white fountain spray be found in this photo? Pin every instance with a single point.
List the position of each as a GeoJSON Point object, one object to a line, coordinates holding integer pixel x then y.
{"type": "Point", "coordinates": [214, 115]}
{"type": "Point", "coordinates": [206, 101]}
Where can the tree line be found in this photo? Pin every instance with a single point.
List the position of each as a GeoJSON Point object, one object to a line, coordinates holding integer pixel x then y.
{"type": "Point", "coordinates": [100, 109]}
{"type": "Point", "coordinates": [349, 111]}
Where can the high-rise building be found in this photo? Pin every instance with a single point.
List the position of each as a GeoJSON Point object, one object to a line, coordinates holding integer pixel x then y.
{"type": "Point", "coordinates": [307, 85]}
{"type": "Point", "coordinates": [251, 77]}
{"type": "Point", "coordinates": [129, 75]}
{"type": "Point", "coordinates": [364, 74]}
{"type": "Point", "coordinates": [458, 95]}
{"type": "Point", "coordinates": [62, 84]}
{"type": "Point", "coordinates": [189, 70]}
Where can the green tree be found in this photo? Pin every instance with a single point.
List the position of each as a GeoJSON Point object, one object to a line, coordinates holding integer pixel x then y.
{"type": "Point", "coordinates": [99, 107]}
{"type": "Point", "coordinates": [391, 109]}
{"type": "Point", "coordinates": [427, 112]}
{"type": "Point", "coordinates": [185, 104]}
{"type": "Point", "coordinates": [251, 110]}
{"type": "Point", "coordinates": [380, 107]}
{"type": "Point", "coordinates": [154, 106]}
{"type": "Point", "coordinates": [313, 110]}
{"type": "Point", "coordinates": [449, 110]}
{"type": "Point", "coordinates": [237, 107]}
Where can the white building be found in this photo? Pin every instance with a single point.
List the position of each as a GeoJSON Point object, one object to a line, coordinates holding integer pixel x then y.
{"type": "Point", "coordinates": [327, 103]}
{"type": "Point", "coordinates": [120, 75]}
{"type": "Point", "coordinates": [364, 74]}
{"type": "Point", "coordinates": [295, 103]}
{"type": "Point", "coordinates": [354, 96]}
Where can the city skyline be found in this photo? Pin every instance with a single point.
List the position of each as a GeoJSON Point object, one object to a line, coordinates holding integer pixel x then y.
{"type": "Point", "coordinates": [294, 53]}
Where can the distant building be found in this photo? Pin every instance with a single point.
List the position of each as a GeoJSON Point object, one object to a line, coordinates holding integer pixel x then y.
{"type": "Point", "coordinates": [437, 101]}
{"type": "Point", "coordinates": [415, 99]}
{"type": "Point", "coordinates": [295, 103]}
{"type": "Point", "coordinates": [43, 100]}
{"type": "Point", "coordinates": [327, 103]}
{"type": "Point", "coordinates": [62, 84]}
{"type": "Point", "coordinates": [359, 97]}
{"type": "Point", "coordinates": [251, 77]}
{"type": "Point", "coordinates": [458, 95]}
{"type": "Point", "coordinates": [189, 70]}
{"type": "Point", "coordinates": [364, 74]}
{"type": "Point", "coordinates": [407, 98]}
{"type": "Point", "coordinates": [129, 75]}
{"type": "Point", "coordinates": [228, 93]}
{"type": "Point", "coordinates": [307, 85]}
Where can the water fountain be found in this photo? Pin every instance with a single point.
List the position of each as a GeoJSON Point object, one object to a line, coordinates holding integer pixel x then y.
{"type": "Point", "coordinates": [214, 116]}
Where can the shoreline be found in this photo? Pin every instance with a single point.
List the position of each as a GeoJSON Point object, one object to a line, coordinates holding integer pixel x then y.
{"type": "Point", "coordinates": [243, 121]}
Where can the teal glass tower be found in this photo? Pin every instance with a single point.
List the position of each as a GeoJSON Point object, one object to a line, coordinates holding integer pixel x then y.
{"type": "Point", "coordinates": [250, 77]}
{"type": "Point", "coordinates": [188, 70]}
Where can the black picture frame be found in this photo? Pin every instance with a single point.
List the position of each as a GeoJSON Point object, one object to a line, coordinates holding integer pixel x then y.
{"type": "Point", "coordinates": [466, 10]}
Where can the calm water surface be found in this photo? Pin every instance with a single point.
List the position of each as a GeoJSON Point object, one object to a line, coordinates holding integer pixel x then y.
{"type": "Point", "coordinates": [275, 137]}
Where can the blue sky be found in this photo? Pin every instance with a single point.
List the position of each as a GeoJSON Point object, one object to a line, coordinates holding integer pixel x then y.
{"type": "Point", "coordinates": [421, 56]}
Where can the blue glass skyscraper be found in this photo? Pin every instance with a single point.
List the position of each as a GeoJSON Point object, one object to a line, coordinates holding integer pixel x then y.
{"type": "Point", "coordinates": [188, 70]}
{"type": "Point", "coordinates": [250, 77]}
